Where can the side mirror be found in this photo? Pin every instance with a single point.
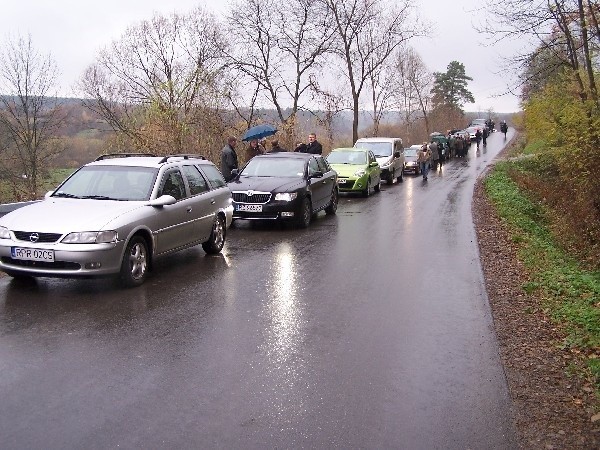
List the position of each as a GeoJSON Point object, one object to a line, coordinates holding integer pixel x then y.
{"type": "Point", "coordinates": [397, 155]}
{"type": "Point", "coordinates": [317, 174]}
{"type": "Point", "coordinates": [163, 200]}
{"type": "Point", "coordinates": [374, 164]}
{"type": "Point", "coordinates": [235, 173]}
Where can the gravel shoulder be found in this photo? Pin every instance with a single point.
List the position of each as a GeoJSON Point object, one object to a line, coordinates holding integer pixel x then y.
{"type": "Point", "coordinates": [551, 409]}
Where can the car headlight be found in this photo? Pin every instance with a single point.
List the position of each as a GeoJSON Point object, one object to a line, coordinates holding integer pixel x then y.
{"type": "Point", "coordinates": [90, 237]}
{"type": "Point", "coordinates": [360, 173]}
{"type": "Point", "coordinates": [286, 196]}
{"type": "Point", "coordinates": [4, 233]}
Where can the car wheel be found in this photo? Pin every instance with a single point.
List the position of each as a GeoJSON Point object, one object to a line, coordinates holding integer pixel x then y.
{"type": "Point", "coordinates": [377, 186]}
{"type": "Point", "coordinates": [134, 267]}
{"type": "Point", "coordinates": [391, 176]}
{"type": "Point", "coordinates": [216, 241]}
{"type": "Point", "coordinates": [367, 190]}
{"type": "Point", "coordinates": [333, 204]}
{"type": "Point", "coordinates": [305, 213]}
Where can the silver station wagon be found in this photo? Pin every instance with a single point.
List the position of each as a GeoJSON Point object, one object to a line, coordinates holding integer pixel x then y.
{"type": "Point", "coordinates": [114, 215]}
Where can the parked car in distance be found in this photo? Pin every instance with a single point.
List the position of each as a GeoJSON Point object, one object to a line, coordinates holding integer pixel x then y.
{"type": "Point", "coordinates": [410, 159]}
{"type": "Point", "coordinates": [472, 131]}
{"type": "Point", "coordinates": [389, 153]}
{"type": "Point", "coordinates": [115, 215]}
{"type": "Point", "coordinates": [284, 186]}
{"type": "Point", "coordinates": [357, 169]}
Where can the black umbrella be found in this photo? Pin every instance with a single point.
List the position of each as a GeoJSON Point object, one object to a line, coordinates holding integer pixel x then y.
{"type": "Point", "coordinates": [259, 132]}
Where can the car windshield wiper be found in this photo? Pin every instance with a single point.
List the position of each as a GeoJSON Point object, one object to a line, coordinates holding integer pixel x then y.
{"type": "Point", "coordinates": [100, 197]}
{"type": "Point", "coordinates": [65, 195]}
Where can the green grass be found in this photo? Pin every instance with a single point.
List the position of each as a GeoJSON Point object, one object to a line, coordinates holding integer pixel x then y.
{"type": "Point", "coordinates": [571, 294]}
{"type": "Point", "coordinates": [54, 178]}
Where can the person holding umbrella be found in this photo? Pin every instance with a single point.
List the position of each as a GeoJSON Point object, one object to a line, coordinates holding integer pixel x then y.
{"type": "Point", "coordinates": [229, 159]}
{"type": "Point", "coordinates": [254, 149]}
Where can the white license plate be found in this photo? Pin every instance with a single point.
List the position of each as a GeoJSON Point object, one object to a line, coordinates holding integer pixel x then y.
{"type": "Point", "coordinates": [342, 181]}
{"type": "Point", "coordinates": [32, 254]}
{"type": "Point", "coordinates": [249, 208]}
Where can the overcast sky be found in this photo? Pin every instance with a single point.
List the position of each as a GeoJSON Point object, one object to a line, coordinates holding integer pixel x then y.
{"type": "Point", "coordinates": [73, 31]}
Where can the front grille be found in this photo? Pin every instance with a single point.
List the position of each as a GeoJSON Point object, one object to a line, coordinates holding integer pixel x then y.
{"type": "Point", "coordinates": [256, 197]}
{"type": "Point", "coordinates": [58, 265]}
{"type": "Point", "coordinates": [43, 237]}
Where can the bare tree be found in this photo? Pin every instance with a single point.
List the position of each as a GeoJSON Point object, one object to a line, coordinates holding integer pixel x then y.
{"type": "Point", "coordinates": [413, 87]}
{"type": "Point", "coordinates": [381, 85]}
{"type": "Point", "coordinates": [160, 84]}
{"type": "Point", "coordinates": [367, 33]}
{"type": "Point", "coordinates": [30, 115]}
{"type": "Point", "coordinates": [564, 32]}
{"type": "Point", "coordinates": [279, 45]}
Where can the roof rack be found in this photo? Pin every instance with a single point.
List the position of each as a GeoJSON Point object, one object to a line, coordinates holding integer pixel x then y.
{"type": "Point", "coordinates": [182, 155]}
{"type": "Point", "coordinates": [121, 155]}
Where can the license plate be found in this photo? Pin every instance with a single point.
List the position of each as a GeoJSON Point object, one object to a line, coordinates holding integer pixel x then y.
{"type": "Point", "coordinates": [341, 181]}
{"type": "Point", "coordinates": [249, 208]}
{"type": "Point", "coordinates": [32, 254]}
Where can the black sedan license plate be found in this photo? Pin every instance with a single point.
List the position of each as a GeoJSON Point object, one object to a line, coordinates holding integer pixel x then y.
{"type": "Point", "coordinates": [249, 208]}
{"type": "Point", "coordinates": [32, 254]}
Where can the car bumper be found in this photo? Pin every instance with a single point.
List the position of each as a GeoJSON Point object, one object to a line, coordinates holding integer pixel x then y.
{"type": "Point", "coordinates": [411, 168]}
{"type": "Point", "coordinates": [275, 210]}
{"type": "Point", "coordinates": [70, 260]}
{"type": "Point", "coordinates": [352, 184]}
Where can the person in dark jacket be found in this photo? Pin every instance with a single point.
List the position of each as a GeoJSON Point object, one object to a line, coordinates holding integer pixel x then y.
{"type": "Point", "coordinates": [301, 147]}
{"type": "Point", "coordinates": [314, 146]}
{"type": "Point", "coordinates": [229, 159]}
{"type": "Point", "coordinates": [478, 137]}
{"type": "Point", "coordinates": [275, 148]}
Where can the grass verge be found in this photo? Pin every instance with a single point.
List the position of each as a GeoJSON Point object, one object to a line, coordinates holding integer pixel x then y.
{"type": "Point", "coordinates": [570, 293]}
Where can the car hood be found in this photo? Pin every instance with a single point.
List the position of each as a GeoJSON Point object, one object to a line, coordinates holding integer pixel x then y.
{"type": "Point", "coordinates": [384, 160]}
{"type": "Point", "coordinates": [62, 215]}
{"type": "Point", "coordinates": [347, 170]}
{"type": "Point", "coordinates": [266, 184]}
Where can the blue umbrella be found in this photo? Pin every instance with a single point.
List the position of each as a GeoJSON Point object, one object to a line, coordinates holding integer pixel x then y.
{"type": "Point", "coordinates": [259, 132]}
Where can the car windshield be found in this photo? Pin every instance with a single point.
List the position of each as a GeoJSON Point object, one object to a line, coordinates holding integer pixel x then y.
{"type": "Point", "coordinates": [410, 152]}
{"type": "Point", "coordinates": [274, 167]}
{"type": "Point", "coordinates": [379, 149]}
{"type": "Point", "coordinates": [347, 157]}
{"type": "Point", "coordinates": [109, 183]}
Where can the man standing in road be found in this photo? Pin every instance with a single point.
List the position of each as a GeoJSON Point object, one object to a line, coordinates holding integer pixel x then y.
{"type": "Point", "coordinates": [435, 155]}
{"type": "Point", "coordinates": [314, 146]}
{"type": "Point", "coordinates": [229, 159]}
{"type": "Point", "coordinates": [423, 159]}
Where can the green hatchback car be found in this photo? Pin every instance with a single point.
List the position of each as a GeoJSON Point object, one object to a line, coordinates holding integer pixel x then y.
{"type": "Point", "coordinates": [357, 169]}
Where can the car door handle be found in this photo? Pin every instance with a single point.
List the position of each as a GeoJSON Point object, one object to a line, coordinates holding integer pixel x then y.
{"type": "Point", "coordinates": [212, 201]}
{"type": "Point", "coordinates": [189, 209]}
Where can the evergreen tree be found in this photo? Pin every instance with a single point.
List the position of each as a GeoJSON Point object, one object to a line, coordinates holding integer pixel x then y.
{"type": "Point", "coordinates": [450, 88]}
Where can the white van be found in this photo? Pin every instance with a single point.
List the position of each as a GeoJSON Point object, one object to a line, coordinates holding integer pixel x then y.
{"type": "Point", "coordinates": [389, 153]}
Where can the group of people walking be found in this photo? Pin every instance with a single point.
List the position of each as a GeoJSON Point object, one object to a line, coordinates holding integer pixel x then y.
{"type": "Point", "coordinates": [229, 156]}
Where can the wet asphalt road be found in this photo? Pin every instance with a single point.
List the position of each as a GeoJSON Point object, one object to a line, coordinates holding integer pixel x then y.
{"type": "Point", "coordinates": [370, 329]}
